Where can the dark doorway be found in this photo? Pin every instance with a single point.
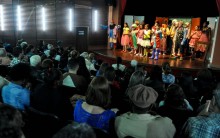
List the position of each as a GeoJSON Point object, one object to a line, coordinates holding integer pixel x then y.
{"type": "Point", "coordinates": [82, 39]}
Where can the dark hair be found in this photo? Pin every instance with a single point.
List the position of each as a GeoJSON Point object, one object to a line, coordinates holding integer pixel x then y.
{"type": "Point", "coordinates": [136, 78]}
{"type": "Point", "coordinates": [156, 73]}
{"type": "Point", "coordinates": [166, 68]}
{"type": "Point", "coordinates": [102, 68]}
{"type": "Point", "coordinates": [118, 61]}
{"type": "Point", "coordinates": [19, 72]}
{"type": "Point", "coordinates": [109, 73]}
{"type": "Point", "coordinates": [28, 49]}
{"type": "Point", "coordinates": [17, 51]}
{"type": "Point", "coordinates": [175, 96]}
{"type": "Point", "coordinates": [51, 75]}
{"type": "Point", "coordinates": [47, 63]}
{"type": "Point", "coordinates": [81, 130]}
{"type": "Point", "coordinates": [205, 75]}
{"type": "Point", "coordinates": [73, 64]}
{"type": "Point", "coordinates": [10, 122]}
{"type": "Point", "coordinates": [98, 92]}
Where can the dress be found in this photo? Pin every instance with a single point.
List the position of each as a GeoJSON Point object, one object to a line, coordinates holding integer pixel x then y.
{"type": "Point", "coordinates": [125, 37]}
{"type": "Point", "coordinates": [140, 36]}
{"type": "Point", "coordinates": [146, 39]}
{"type": "Point", "coordinates": [195, 35]}
{"type": "Point", "coordinates": [203, 41]}
{"type": "Point", "coordinates": [100, 121]}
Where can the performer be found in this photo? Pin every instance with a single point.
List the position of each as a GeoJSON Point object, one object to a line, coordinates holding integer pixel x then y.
{"type": "Point", "coordinates": [146, 39]}
{"type": "Point", "coordinates": [179, 40]}
{"type": "Point", "coordinates": [170, 36]}
{"type": "Point", "coordinates": [156, 42]}
{"type": "Point", "coordinates": [205, 38]}
{"type": "Point", "coordinates": [140, 36]}
{"type": "Point", "coordinates": [186, 38]}
{"type": "Point", "coordinates": [112, 33]}
{"type": "Point", "coordinates": [125, 37]}
{"type": "Point", "coordinates": [165, 31]}
{"type": "Point", "coordinates": [134, 37]}
{"type": "Point", "coordinates": [194, 37]}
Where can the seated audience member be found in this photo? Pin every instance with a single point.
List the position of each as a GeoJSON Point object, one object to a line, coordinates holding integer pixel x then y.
{"type": "Point", "coordinates": [206, 124]}
{"type": "Point", "coordinates": [35, 61]}
{"type": "Point", "coordinates": [29, 51]}
{"type": "Point", "coordinates": [83, 71]}
{"type": "Point", "coordinates": [47, 96]}
{"type": "Point", "coordinates": [102, 68]}
{"type": "Point", "coordinates": [116, 93]}
{"type": "Point", "coordinates": [155, 81]}
{"type": "Point", "coordinates": [134, 63]}
{"type": "Point", "coordinates": [141, 122]}
{"type": "Point", "coordinates": [119, 65]}
{"type": "Point", "coordinates": [4, 59]}
{"type": "Point", "coordinates": [167, 76]}
{"type": "Point", "coordinates": [17, 93]}
{"type": "Point", "coordinates": [94, 110]}
{"type": "Point", "coordinates": [175, 106]}
{"type": "Point", "coordinates": [11, 122]}
{"type": "Point", "coordinates": [71, 79]}
{"type": "Point", "coordinates": [82, 130]}
{"type": "Point", "coordinates": [17, 55]}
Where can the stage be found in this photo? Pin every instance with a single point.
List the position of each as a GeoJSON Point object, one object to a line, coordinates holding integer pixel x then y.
{"type": "Point", "coordinates": [177, 65]}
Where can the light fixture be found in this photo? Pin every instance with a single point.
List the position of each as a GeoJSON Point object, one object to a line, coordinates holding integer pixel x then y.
{"type": "Point", "coordinates": [2, 18]}
{"type": "Point", "coordinates": [70, 19]}
{"type": "Point", "coordinates": [43, 19]}
{"type": "Point", "coordinates": [95, 20]}
{"type": "Point", "coordinates": [19, 23]}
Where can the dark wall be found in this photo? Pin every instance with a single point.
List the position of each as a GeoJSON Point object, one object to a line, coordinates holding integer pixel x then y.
{"type": "Point", "coordinates": [57, 21]}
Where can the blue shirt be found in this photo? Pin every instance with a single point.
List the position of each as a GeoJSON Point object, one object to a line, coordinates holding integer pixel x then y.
{"type": "Point", "coordinates": [16, 96]}
{"type": "Point", "coordinates": [100, 121]}
{"type": "Point", "coordinates": [169, 78]}
{"type": "Point", "coordinates": [202, 127]}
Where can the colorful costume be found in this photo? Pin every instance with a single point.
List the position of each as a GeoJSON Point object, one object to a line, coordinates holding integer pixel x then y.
{"type": "Point", "coordinates": [112, 34]}
{"type": "Point", "coordinates": [125, 36]}
{"type": "Point", "coordinates": [195, 35]}
{"type": "Point", "coordinates": [156, 44]}
{"type": "Point", "coordinates": [134, 36]}
{"type": "Point", "coordinates": [165, 31]}
{"type": "Point", "coordinates": [203, 41]}
{"type": "Point", "coordinates": [146, 39]}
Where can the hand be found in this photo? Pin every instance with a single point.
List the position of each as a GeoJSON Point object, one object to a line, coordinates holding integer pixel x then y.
{"type": "Point", "coordinates": [205, 111]}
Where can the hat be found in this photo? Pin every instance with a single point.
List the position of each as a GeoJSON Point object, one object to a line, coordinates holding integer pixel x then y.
{"type": "Point", "coordinates": [142, 96]}
{"type": "Point", "coordinates": [35, 60]}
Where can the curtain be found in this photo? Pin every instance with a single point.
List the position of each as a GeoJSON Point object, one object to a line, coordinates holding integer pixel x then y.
{"type": "Point", "coordinates": [123, 4]}
{"type": "Point", "coordinates": [218, 5]}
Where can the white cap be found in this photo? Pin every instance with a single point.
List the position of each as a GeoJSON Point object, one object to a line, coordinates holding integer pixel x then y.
{"type": "Point", "coordinates": [134, 63]}
{"type": "Point", "coordinates": [35, 60]}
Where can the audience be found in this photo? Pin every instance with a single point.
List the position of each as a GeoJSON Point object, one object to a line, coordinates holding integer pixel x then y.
{"type": "Point", "coordinates": [140, 122]}
{"type": "Point", "coordinates": [17, 93]}
{"type": "Point", "coordinates": [82, 130]}
{"type": "Point", "coordinates": [11, 122]}
{"type": "Point", "coordinates": [94, 110]}
{"type": "Point", "coordinates": [167, 76]}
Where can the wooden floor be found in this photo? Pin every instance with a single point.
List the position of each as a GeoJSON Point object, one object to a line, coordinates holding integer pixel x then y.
{"type": "Point", "coordinates": [174, 63]}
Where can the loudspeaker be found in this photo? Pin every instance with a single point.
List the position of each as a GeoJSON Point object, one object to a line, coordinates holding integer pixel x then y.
{"type": "Point", "coordinates": [111, 3]}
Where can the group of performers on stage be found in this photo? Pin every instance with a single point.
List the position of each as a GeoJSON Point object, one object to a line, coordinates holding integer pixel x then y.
{"type": "Point", "coordinates": [177, 39]}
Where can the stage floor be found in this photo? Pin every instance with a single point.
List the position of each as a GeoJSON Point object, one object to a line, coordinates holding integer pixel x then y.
{"type": "Point", "coordinates": [174, 63]}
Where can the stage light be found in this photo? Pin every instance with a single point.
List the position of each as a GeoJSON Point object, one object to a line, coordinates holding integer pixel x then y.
{"type": "Point", "coordinates": [95, 20]}
{"type": "Point", "coordinates": [43, 19]}
{"type": "Point", "coordinates": [2, 18]}
{"type": "Point", "coordinates": [70, 19]}
{"type": "Point", "coordinates": [19, 17]}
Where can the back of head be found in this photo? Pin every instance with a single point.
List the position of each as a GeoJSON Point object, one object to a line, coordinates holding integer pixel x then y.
{"type": "Point", "coordinates": [134, 63]}
{"type": "Point", "coordinates": [47, 63]}
{"type": "Point", "coordinates": [35, 60]}
{"type": "Point", "coordinates": [109, 74]}
{"type": "Point", "coordinates": [50, 76]}
{"type": "Point", "coordinates": [205, 75]}
{"type": "Point", "coordinates": [73, 64]}
{"type": "Point", "coordinates": [10, 122]}
{"type": "Point", "coordinates": [103, 67]}
{"type": "Point", "coordinates": [98, 92]}
{"type": "Point", "coordinates": [166, 68]}
{"type": "Point", "coordinates": [175, 95]}
{"type": "Point", "coordinates": [76, 131]}
{"type": "Point", "coordinates": [136, 78]}
{"type": "Point", "coordinates": [2, 52]}
{"type": "Point", "coordinates": [118, 60]}
{"type": "Point", "coordinates": [156, 73]}
{"type": "Point", "coordinates": [19, 72]}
